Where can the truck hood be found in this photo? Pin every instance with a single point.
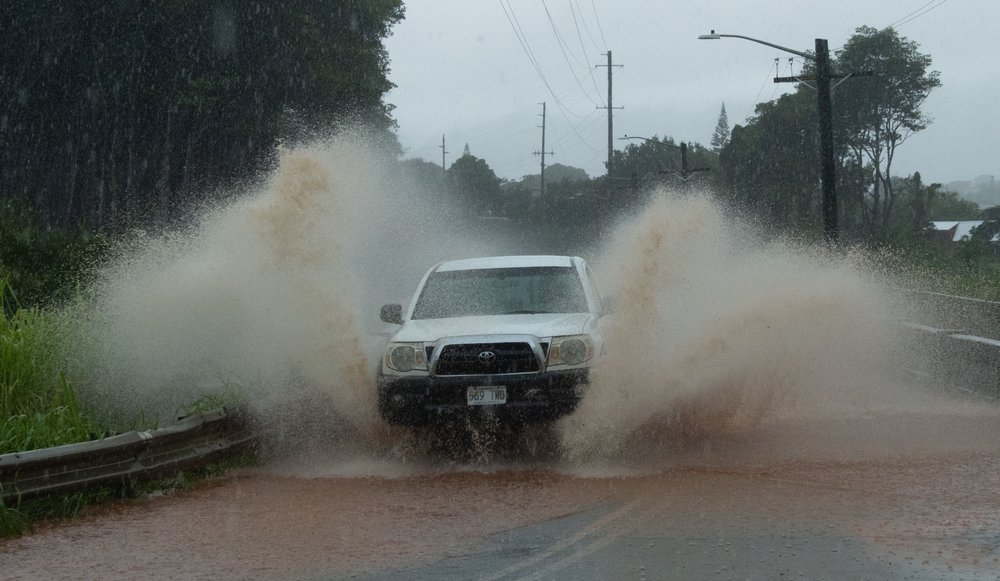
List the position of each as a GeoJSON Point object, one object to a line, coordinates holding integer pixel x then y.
{"type": "Point", "coordinates": [541, 325]}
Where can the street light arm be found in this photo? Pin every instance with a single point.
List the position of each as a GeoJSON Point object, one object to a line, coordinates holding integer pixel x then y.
{"type": "Point", "coordinates": [824, 108]}
{"type": "Point", "coordinates": [642, 138]}
{"type": "Point", "coordinates": [715, 36]}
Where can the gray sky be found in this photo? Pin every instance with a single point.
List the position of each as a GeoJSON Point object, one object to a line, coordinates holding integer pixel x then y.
{"type": "Point", "coordinates": [461, 71]}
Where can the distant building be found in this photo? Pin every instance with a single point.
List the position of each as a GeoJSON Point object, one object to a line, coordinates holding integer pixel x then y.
{"type": "Point", "coordinates": [955, 231]}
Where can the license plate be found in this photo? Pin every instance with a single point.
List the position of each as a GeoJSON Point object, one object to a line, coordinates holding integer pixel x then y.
{"type": "Point", "coordinates": [492, 395]}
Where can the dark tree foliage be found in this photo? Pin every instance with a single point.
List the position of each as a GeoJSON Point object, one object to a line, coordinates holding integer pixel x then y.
{"type": "Point", "coordinates": [645, 164]}
{"type": "Point", "coordinates": [769, 167]}
{"type": "Point", "coordinates": [771, 164]}
{"type": "Point", "coordinates": [117, 112]}
{"type": "Point", "coordinates": [475, 186]}
{"type": "Point", "coordinates": [875, 115]}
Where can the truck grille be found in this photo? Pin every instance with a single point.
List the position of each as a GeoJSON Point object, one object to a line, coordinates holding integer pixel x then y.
{"type": "Point", "coordinates": [464, 359]}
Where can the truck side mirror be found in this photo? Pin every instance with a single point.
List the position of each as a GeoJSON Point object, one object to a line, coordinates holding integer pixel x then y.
{"type": "Point", "coordinates": [392, 313]}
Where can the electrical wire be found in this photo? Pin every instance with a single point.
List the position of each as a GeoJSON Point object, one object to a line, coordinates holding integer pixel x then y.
{"type": "Point", "coordinates": [599, 29]}
{"type": "Point", "coordinates": [563, 48]}
{"type": "Point", "coordinates": [583, 49]}
{"type": "Point", "coordinates": [516, 26]}
{"type": "Point", "coordinates": [585, 27]}
{"type": "Point", "coordinates": [931, 5]}
{"type": "Point", "coordinates": [909, 17]}
{"type": "Point", "coordinates": [559, 38]}
{"type": "Point", "coordinates": [523, 39]}
{"type": "Point", "coordinates": [756, 99]}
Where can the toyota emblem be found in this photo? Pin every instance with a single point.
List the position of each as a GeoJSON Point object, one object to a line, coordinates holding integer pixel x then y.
{"type": "Point", "coordinates": [487, 357]}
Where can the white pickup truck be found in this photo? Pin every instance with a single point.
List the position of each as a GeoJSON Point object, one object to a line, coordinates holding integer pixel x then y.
{"type": "Point", "coordinates": [509, 336]}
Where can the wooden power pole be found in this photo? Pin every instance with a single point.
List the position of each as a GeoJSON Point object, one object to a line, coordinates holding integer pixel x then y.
{"type": "Point", "coordinates": [610, 108]}
{"type": "Point", "coordinates": [541, 191]}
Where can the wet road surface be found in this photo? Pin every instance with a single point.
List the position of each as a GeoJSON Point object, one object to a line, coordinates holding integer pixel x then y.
{"type": "Point", "coordinates": [883, 495]}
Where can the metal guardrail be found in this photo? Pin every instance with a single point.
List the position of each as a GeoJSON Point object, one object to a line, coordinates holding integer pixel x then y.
{"type": "Point", "coordinates": [953, 358]}
{"type": "Point", "coordinates": [124, 460]}
{"type": "Point", "coordinates": [973, 316]}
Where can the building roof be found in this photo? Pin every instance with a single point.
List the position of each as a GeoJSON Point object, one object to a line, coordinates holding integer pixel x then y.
{"type": "Point", "coordinates": [961, 229]}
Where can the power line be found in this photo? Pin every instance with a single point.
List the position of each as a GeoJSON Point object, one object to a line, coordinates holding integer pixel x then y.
{"type": "Point", "coordinates": [523, 39]}
{"type": "Point", "coordinates": [753, 104]}
{"type": "Point", "coordinates": [584, 20]}
{"type": "Point", "coordinates": [585, 127]}
{"type": "Point", "coordinates": [599, 29]}
{"type": "Point", "coordinates": [559, 39]}
{"type": "Point", "coordinates": [563, 48]}
{"type": "Point", "coordinates": [519, 33]}
{"type": "Point", "coordinates": [583, 49]}
{"type": "Point", "coordinates": [931, 5]}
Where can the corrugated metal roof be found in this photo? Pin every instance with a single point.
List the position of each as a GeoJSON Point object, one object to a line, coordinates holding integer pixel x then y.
{"type": "Point", "coordinates": [963, 228]}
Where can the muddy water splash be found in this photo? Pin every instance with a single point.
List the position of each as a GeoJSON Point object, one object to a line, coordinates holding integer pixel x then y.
{"type": "Point", "coordinates": [715, 331]}
{"type": "Point", "coordinates": [258, 295]}
{"type": "Point", "coordinates": [275, 295]}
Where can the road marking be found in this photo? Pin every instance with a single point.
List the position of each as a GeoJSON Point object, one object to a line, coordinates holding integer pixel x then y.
{"type": "Point", "coordinates": [594, 527]}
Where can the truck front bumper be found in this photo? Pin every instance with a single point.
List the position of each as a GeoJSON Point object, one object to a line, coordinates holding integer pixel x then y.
{"type": "Point", "coordinates": [420, 400]}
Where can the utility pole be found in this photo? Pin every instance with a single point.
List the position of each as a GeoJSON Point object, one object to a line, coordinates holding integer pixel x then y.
{"type": "Point", "coordinates": [443, 170]}
{"type": "Point", "coordinates": [824, 110]}
{"type": "Point", "coordinates": [610, 108]}
{"type": "Point", "coordinates": [541, 191]}
{"type": "Point", "coordinates": [687, 172]}
{"type": "Point", "coordinates": [829, 172]}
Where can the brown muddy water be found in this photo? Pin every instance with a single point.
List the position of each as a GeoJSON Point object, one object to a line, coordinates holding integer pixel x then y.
{"type": "Point", "coordinates": [917, 489]}
{"type": "Point", "coordinates": [749, 386]}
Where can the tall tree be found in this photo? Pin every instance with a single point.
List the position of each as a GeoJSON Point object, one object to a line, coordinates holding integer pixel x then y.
{"type": "Point", "coordinates": [720, 138]}
{"type": "Point", "coordinates": [876, 115]}
{"type": "Point", "coordinates": [119, 112]}
{"type": "Point", "coordinates": [475, 186]}
{"type": "Point", "coordinates": [769, 167]}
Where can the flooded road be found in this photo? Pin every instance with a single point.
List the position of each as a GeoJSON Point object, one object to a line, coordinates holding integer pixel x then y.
{"type": "Point", "coordinates": [881, 494]}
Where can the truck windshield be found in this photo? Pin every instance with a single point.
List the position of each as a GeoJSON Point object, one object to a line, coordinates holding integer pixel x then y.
{"type": "Point", "coordinates": [501, 291]}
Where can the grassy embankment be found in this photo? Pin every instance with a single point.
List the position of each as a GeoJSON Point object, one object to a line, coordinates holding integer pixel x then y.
{"type": "Point", "coordinates": [40, 408]}
{"type": "Point", "coordinates": [38, 404]}
{"type": "Point", "coordinates": [968, 268]}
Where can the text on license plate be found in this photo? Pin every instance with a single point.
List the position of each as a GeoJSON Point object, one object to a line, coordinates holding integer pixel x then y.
{"type": "Point", "coordinates": [492, 395]}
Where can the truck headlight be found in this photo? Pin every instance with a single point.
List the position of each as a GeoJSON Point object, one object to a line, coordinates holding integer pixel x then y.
{"type": "Point", "coordinates": [571, 350]}
{"type": "Point", "coordinates": [405, 356]}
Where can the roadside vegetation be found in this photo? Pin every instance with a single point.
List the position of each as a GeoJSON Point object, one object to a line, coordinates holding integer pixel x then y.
{"type": "Point", "coordinates": [968, 268]}
{"type": "Point", "coordinates": [45, 339]}
{"type": "Point", "coordinates": [37, 401]}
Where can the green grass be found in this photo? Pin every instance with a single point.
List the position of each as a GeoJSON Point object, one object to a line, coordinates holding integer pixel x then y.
{"type": "Point", "coordinates": [967, 268]}
{"type": "Point", "coordinates": [39, 405]}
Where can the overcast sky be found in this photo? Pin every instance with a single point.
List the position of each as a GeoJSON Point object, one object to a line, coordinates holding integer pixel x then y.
{"type": "Point", "coordinates": [462, 71]}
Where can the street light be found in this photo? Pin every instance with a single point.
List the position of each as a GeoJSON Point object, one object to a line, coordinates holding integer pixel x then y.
{"type": "Point", "coordinates": [828, 173]}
